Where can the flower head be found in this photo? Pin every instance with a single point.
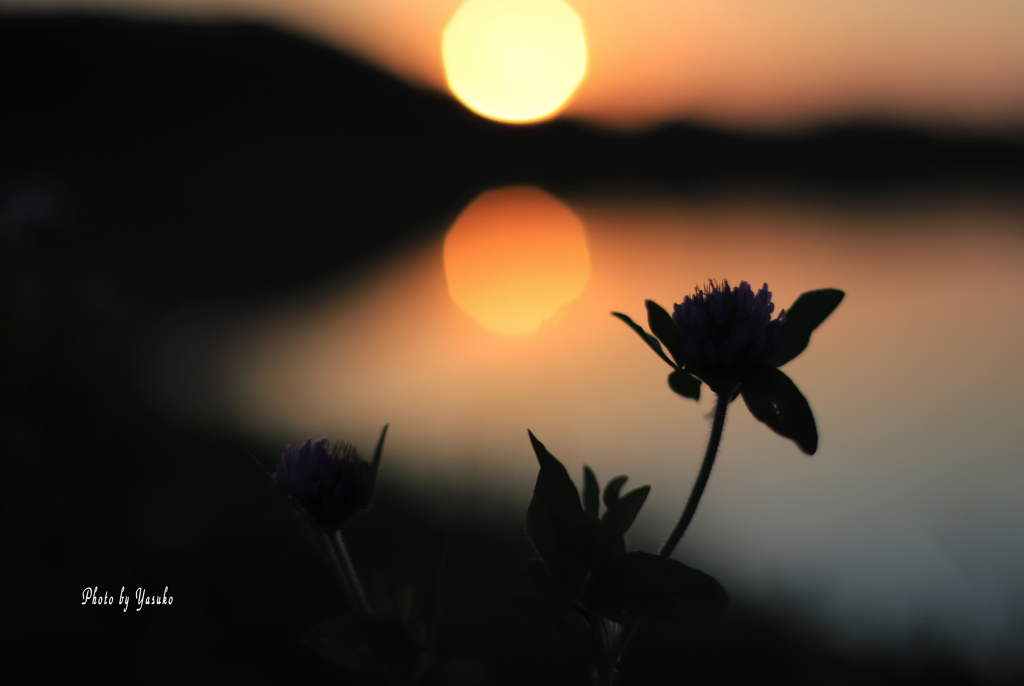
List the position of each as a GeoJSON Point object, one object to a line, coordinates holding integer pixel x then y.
{"type": "Point", "coordinates": [723, 331]}
{"type": "Point", "coordinates": [332, 483]}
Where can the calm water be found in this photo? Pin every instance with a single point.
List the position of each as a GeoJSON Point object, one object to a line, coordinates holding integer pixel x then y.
{"type": "Point", "coordinates": [907, 522]}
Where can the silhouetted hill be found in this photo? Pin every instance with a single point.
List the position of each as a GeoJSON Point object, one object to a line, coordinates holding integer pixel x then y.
{"type": "Point", "coordinates": [238, 159]}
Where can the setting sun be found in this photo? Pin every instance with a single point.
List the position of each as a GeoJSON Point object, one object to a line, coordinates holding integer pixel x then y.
{"type": "Point", "coordinates": [514, 60]}
{"type": "Point", "coordinates": [514, 258]}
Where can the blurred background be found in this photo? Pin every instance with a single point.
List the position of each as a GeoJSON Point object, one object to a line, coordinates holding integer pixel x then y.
{"type": "Point", "coordinates": [228, 226]}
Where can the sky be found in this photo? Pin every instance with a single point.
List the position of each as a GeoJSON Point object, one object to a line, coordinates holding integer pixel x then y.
{"type": "Point", "coordinates": [740, 63]}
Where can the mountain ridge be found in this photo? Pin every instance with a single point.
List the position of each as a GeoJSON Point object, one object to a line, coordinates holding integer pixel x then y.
{"type": "Point", "coordinates": [236, 147]}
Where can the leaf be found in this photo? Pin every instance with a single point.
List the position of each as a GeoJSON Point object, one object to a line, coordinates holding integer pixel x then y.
{"type": "Point", "coordinates": [611, 491]}
{"type": "Point", "coordinates": [662, 325]}
{"type": "Point", "coordinates": [541, 597]}
{"type": "Point", "coordinates": [535, 581]}
{"type": "Point", "coordinates": [807, 313]}
{"type": "Point", "coordinates": [366, 643]}
{"type": "Point", "coordinates": [375, 462]}
{"type": "Point", "coordinates": [621, 515]}
{"type": "Point", "coordinates": [648, 338]}
{"type": "Point", "coordinates": [775, 400]}
{"type": "Point", "coordinates": [591, 493]}
{"type": "Point", "coordinates": [685, 384]}
{"type": "Point", "coordinates": [559, 528]}
{"type": "Point", "coordinates": [813, 307]}
{"type": "Point", "coordinates": [645, 586]}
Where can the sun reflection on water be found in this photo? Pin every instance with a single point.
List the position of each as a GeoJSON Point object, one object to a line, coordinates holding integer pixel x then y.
{"type": "Point", "coordinates": [514, 258]}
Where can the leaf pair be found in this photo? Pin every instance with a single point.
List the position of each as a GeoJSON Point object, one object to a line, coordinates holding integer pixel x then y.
{"type": "Point", "coordinates": [645, 586]}
{"type": "Point", "coordinates": [680, 381]}
{"type": "Point", "coordinates": [583, 554]}
{"type": "Point", "coordinates": [620, 512]}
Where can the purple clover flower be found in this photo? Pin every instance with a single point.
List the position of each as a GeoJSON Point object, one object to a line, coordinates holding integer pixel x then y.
{"type": "Point", "coordinates": [726, 338]}
{"type": "Point", "coordinates": [332, 483]}
{"type": "Point", "coordinates": [723, 332]}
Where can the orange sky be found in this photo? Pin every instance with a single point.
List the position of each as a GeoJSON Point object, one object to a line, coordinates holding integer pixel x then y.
{"type": "Point", "coordinates": [734, 62]}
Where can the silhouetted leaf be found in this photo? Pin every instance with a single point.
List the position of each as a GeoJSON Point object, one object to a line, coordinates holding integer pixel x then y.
{"type": "Point", "coordinates": [591, 493]}
{"type": "Point", "coordinates": [685, 384]}
{"type": "Point", "coordinates": [365, 643]}
{"type": "Point", "coordinates": [534, 581]}
{"type": "Point", "coordinates": [620, 516]}
{"type": "Point", "coordinates": [611, 490]}
{"type": "Point", "coordinates": [644, 586]}
{"type": "Point", "coordinates": [806, 314]}
{"type": "Point", "coordinates": [648, 338]}
{"type": "Point", "coordinates": [775, 400]}
{"type": "Point", "coordinates": [559, 528]}
{"type": "Point", "coordinates": [662, 326]}
{"type": "Point", "coordinates": [375, 462]}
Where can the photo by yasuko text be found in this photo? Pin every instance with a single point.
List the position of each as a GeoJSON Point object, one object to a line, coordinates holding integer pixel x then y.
{"type": "Point", "coordinates": [92, 596]}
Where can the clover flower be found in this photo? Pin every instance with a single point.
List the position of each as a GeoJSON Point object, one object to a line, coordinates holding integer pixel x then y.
{"type": "Point", "coordinates": [722, 331]}
{"type": "Point", "coordinates": [725, 337]}
{"type": "Point", "coordinates": [332, 483]}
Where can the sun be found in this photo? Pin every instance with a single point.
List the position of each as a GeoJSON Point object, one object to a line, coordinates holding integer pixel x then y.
{"type": "Point", "coordinates": [514, 258]}
{"type": "Point", "coordinates": [514, 60]}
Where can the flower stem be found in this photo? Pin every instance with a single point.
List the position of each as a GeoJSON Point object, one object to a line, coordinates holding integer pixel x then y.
{"type": "Point", "coordinates": [702, 476]}
{"type": "Point", "coordinates": [345, 585]}
{"type": "Point", "coordinates": [352, 578]}
{"type": "Point", "coordinates": [606, 676]}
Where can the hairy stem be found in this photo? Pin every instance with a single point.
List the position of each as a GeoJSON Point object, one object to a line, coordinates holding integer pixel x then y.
{"type": "Point", "coordinates": [349, 571]}
{"type": "Point", "coordinates": [702, 477]}
{"type": "Point", "coordinates": [607, 676]}
{"type": "Point", "coordinates": [345, 585]}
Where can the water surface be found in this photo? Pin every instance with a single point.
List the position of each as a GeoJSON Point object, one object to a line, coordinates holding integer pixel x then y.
{"type": "Point", "coordinates": [905, 524]}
